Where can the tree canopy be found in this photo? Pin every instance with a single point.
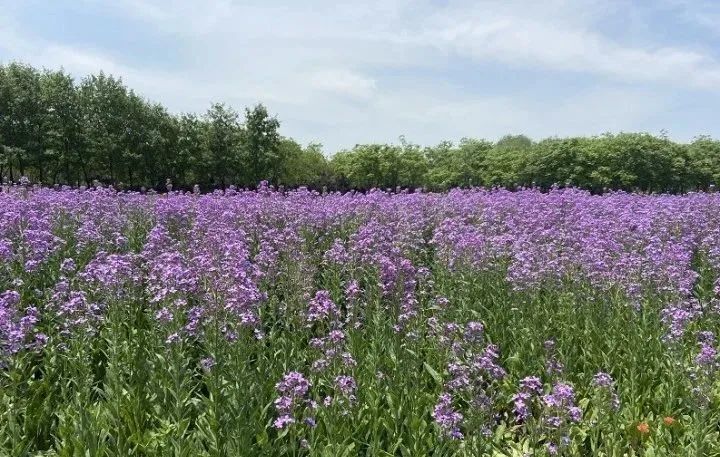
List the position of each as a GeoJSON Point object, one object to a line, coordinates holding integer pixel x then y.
{"type": "Point", "coordinates": [56, 130]}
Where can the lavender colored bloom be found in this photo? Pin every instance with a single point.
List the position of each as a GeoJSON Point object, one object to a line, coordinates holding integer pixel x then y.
{"type": "Point", "coordinates": [164, 315]}
{"type": "Point", "coordinates": [17, 326]}
{"type": "Point", "coordinates": [602, 380]}
{"type": "Point", "coordinates": [575, 414]}
{"type": "Point", "coordinates": [207, 363]}
{"type": "Point", "coordinates": [336, 337]}
{"type": "Point", "coordinates": [447, 418]}
{"type": "Point", "coordinates": [320, 364]}
{"type": "Point", "coordinates": [531, 384]}
{"type": "Point", "coordinates": [521, 406]}
{"type": "Point", "coordinates": [292, 389]}
{"type": "Point", "coordinates": [562, 394]}
{"type": "Point", "coordinates": [605, 385]}
{"type": "Point", "coordinates": [707, 357]}
{"type": "Point", "coordinates": [68, 266]}
{"type": "Point", "coordinates": [346, 386]}
{"type": "Point", "coordinates": [677, 317]}
{"type": "Point", "coordinates": [321, 307]}
{"type": "Point", "coordinates": [284, 403]}
{"type": "Point", "coordinates": [487, 362]}
{"type": "Point", "coordinates": [552, 448]}
{"type": "Point", "coordinates": [6, 250]}
{"type": "Point", "coordinates": [706, 337]}
{"type": "Point", "coordinates": [554, 421]}
{"type": "Point", "coordinates": [474, 331]}
{"type": "Point", "coordinates": [293, 383]}
{"type": "Point", "coordinates": [283, 421]}
{"type": "Point", "coordinates": [530, 388]}
{"type": "Point", "coordinates": [348, 360]}
{"type": "Point", "coordinates": [553, 366]}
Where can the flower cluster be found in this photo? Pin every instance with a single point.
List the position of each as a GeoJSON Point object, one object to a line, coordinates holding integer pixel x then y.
{"type": "Point", "coordinates": [334, 352]}
{"type": "Point", "coordinates": [604, 385]}
{"type": "Point", "coordinates": [17, 328]}
{"type": "Point", "coordinates": [292, 390]}
{"type": "Point", "coordinates": [322, 308]}
{"type": "Point", "coordinates": [530, 388]}
{"type": "Point", "coordinates": [559, 412]}
{"type": "Point", "coordinates": [447, 417]}
{"type": "Point", "coordinates": [474, 377]}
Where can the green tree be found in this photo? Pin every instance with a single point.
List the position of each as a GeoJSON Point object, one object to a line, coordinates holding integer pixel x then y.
{"type": "Point", "coordinates": [442, 171]}
{"type": "Point", "coordinates": [369, 166]}
{"type": "Point", "coordinates": [514, 143]}
{"type": "Point", "coordinates": [304, 166]}
{"type": "Point", "coordinates": [704, 162]}
{"type": "Point", "coordinates": [555, 161]}
{"type": "Point", "coordinates": [412, 165]}
{"type": "Point", "coordinates": [22, 118]}
{"type": "Point", "coordinates": [223, 144]}
{"type": "Point", "coordinates": [62, 129]}
{"type": "Point", "coordinates": [192, 158]}
{"type": "Point", "coordinates": [104, 106]}
{"type": "Point", "coordinates": [636, 160]}
{"type": "Point", "coordinates": [261, 145]}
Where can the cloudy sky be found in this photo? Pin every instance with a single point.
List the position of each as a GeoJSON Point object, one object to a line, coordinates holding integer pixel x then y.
{"type": "Point", "coordinates": [342, 73]}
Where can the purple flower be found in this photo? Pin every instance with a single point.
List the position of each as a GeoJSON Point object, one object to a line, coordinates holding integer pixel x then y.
{"type": "Point", "coordinates": [707, 357]}
{"type": "Point", "coordinates": [346, 385]}
{"type": "Point", "coordinates": [68, 266]}
{"type": "Point", "coordinates": [575, 414]}
{"type": "Point", "coordinates": [283, 421]}
{"type": "Point", "coordinates": [530, 388]}
{"type": "Point", "coordinates": [562, 394]}
{"type": "Point", "coordinates": [447, 418]}
{"type": "Point", "coordinates": [602, 380]}
{"type": "Point", "coordinates": [17, 327]}
{"type": "Point", "coordinates": [164, 315]}
{"type": "Point", "coordinates": [531, 384]}
{"type": "Point", "coordinates": [474, 331]}
{"type": "Point", "coordinates": [552, 448]}
{"type": "Point", "coordinates": [283, 403]}
{"type": "Point", "coordinates": [605, 385]}
{"type": "Point", "coordinates": [554, 421]}
{"type": "Point", "coordinates": [521, 406]}
{"type": "Point", "coordinates": [292, 389]}
{"type": "Point", "coordinates": [207, 363]}
{"type": "Point", "coordinates": [706, 337]}
{"type": "Point", "coordinates": [321, 307]}
{"type": "Point", "coordinates": [293, 383]}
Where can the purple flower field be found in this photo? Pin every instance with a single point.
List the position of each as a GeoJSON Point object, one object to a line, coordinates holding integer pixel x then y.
{"type": "Point", "coordinates": [266, 322]}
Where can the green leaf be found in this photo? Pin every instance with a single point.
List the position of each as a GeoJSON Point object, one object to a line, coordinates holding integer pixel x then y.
{"type": "Point", "coordinates": [431, 371]}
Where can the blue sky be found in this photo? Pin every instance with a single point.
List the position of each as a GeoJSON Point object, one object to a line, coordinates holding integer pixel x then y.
{"type": "Point", "coordinates": [342, 73]}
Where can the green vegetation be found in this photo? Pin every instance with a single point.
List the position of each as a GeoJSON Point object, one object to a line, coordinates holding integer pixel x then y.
{"type": "Point", "coordinates": [58, 131]}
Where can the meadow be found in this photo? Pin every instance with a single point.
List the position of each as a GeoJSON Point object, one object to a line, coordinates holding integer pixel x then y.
{"type": "Point", "coordinates": [266, 322]}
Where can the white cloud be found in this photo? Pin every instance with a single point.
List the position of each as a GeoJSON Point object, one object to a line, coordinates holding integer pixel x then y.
{"type": "Point", "coordinates": [348, 72]}
{"type": "Point", "coordinates": [343, 82]}
{"type": "Point", "coordinates": [528, 38]}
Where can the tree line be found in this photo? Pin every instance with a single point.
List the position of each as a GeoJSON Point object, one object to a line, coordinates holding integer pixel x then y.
{"type": "Point", "coordinates": [56, 130]}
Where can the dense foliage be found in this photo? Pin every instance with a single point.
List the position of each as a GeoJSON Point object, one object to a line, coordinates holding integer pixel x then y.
{"type": "Point", "coordinates": [295, 323]}
{"type": "Point", "coordinates": [55, 130]}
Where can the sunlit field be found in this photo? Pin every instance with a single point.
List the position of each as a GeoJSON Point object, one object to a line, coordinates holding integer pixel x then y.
{"type": "Point", "coordinates": [261, 322]}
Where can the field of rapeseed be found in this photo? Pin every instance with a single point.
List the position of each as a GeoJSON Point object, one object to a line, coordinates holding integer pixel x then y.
{"type": "Point", "coordinates": [262, 322]}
